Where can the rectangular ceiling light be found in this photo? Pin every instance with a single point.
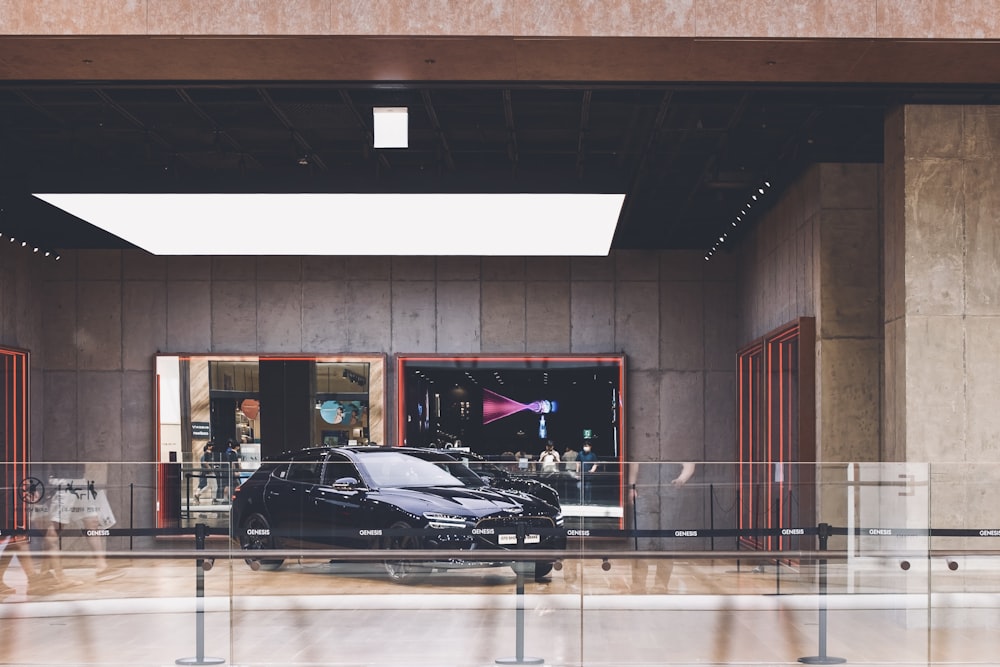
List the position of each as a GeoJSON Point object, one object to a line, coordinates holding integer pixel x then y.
{"type": "Point", "coordinates": [391, 127]}
{"type": "Point", "coordinates": [353, 224]}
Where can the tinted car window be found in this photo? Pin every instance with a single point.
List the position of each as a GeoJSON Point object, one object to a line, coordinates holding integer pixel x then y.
{"type": "Point", "coordinates": [305, 470]}
{"type": "Point", "coordinates": [394, 469]}
{"type": "Point", "coordinates": [338, 467]}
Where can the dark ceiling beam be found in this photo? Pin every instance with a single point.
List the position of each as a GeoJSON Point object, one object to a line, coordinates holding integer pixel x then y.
{"type": "Point", "coordinates": [449, 161]}
{"type": "Point", "coordinates": [538, 178]}
{"type": "Point", "coordinates": [581, 142]}
{"type": "Point", "coordinates": [61, 122]}
{"type": "Point", "coordinates": [148, 133]}
{"type": "Point", "coordinates": [629, 139]}
{"type": "Point", "coordinates": [720, 144]}
{"type": "Point", "coordinates": [297, 137]}
{"type": "Point", "coordinates": [508, 114]}
{"type": "Point", "coordinates": [221, 134]}
{"type": "Point", "coordinates": [110, 103]}
{"type": "Point", "coordinates": [645, 157]}
{"type": "Point", "coordinates": [367, 130]}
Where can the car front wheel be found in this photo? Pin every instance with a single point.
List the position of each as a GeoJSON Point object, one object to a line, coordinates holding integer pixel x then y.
{"type": "Point", "coordinates": [402, 571]}
{"type": "Point", "coordinates": [256, 534]}
{"type": "Point", "coordinates": [542, 570]}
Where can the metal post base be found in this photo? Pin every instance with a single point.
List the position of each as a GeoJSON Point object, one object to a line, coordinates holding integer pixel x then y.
{"type": "Point", "coordinates": [822, 660]}
{"type": "Point", "coordinates": [520, 661]}
{"type": "Point", "coordinates": [199, 661]}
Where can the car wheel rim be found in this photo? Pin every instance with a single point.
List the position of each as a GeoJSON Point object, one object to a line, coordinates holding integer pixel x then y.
{"type": "Point", "coordinates": [257, 539]}
{"type": "Point", "coordinates": [399, 570]}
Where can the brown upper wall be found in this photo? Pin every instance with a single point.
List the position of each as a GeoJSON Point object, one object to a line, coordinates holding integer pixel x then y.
{"type": "Point", "coordinates": [811, 19]}
{"type": "Point", "coordinates": [865, 41]}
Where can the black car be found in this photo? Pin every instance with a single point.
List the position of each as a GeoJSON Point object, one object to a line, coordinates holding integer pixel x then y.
{"type": "Point", "coordinates": [388, 498]}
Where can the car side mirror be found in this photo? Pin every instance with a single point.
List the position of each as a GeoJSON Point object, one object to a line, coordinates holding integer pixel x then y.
{"type": "Point", "coordinates": [347, 484]}
{"type": "Point", "coordinates": [488, 478]}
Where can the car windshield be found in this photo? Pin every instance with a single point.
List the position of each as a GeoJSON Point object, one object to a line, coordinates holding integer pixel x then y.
{"type": "Point", "coordinates": [461, 471]}
{"type": "Point", "coordinates": [387, 469]}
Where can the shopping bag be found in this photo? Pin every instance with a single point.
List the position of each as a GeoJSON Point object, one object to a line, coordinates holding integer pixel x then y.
{"type": "Point", "coordinates": [105, 517]}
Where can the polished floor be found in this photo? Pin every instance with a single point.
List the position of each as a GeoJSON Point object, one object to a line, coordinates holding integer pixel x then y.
{"type": "Point", "coordinates": [317, 613]}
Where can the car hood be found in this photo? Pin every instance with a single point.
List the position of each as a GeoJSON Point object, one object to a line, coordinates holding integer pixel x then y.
{"type": "Point", "coordinates": [464, 501]}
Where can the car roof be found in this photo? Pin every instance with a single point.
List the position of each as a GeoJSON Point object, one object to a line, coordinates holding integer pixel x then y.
{"type": "Point", "coordinates": [320, 449]}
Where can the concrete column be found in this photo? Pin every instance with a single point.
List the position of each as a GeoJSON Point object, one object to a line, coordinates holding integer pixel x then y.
{"type": "Point", "coordinates": [848, 325]}
{"type": "Point", "coordinates": [942, 304]}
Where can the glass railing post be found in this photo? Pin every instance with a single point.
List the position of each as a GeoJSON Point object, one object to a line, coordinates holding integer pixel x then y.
{"type": "Point", "coordinates": [519, 567]}
{"type": "Point", "coordinates": [201, 565]}
{"type": "Point", "coordinates": [822, 658]}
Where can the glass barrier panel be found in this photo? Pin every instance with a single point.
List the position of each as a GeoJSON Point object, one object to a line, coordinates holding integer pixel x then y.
{"type": "Point", "coordinates": [87, 580]}
{"type": "Point", "coordinates": [395, 559]}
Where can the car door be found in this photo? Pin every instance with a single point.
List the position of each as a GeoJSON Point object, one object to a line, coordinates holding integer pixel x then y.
{"type": "Point", "coordinates": [341, 509]}
{"type": "Point", "coordinates": [288, 498]}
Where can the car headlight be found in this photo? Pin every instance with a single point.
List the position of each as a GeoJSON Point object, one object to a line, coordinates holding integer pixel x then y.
{"type": "Point", "coordinates": [439, 520]}
{"type": "Point", "coordinates": [558, 518]}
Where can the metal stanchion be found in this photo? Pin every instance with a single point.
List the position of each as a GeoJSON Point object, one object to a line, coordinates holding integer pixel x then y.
{"type": "Point", "coordinates": [822, 658]}
{"type": "Point", "coordinates": [711, 515]}
{"type": "Point", "coordinates": [131, 515]}
{"type": "Point", "coordinates": [186, 514]}
{"type": "Point", "coordinates": [635, 518]}
{"type": "Point", "coordinates": [201, 565]}
{"type": "Point", "coordinates": [519, 567]}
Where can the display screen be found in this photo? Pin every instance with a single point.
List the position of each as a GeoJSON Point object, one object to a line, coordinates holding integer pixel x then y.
{"type": "Point", "coordinates": [501, 405]}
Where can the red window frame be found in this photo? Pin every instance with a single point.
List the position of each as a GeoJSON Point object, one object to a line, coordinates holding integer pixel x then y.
{"type": "Point", "coordinates": [14, 394]}
{"type": "Point", "coordinates": [776, 434]}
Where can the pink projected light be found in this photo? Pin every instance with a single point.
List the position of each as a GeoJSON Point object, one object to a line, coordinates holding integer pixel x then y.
{"type": "Point", "coordinates": [497, 407]}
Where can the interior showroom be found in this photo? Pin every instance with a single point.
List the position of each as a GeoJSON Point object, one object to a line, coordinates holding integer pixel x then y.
{"type": "Point", "coordinates": [430, 333]}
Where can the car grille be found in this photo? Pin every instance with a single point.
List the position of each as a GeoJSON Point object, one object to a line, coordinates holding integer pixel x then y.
{"type": "Point", "coordinates": [489, 530]}
{"type": "Point", "coordinates": [508, 521]}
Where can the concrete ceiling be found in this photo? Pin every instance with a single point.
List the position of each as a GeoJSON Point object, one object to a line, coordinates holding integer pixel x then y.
{"type": "Point", "coordinates": [690, 129]}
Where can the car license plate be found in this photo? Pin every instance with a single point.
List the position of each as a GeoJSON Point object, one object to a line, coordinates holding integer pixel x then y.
{"type": "Point", "coordinates": [512, 539]}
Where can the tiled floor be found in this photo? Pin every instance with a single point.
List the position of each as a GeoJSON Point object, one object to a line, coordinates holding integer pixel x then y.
{"type": "Point", "coordinates": [317, 613]}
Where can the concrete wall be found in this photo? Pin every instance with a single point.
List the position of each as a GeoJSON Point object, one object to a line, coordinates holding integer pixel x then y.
{"type": "Point", "coordinates": [103, 315]}
{"type": "Point", "coordinates": [778, 259]}
{"type": "Point", "coordinates": [816, 253]}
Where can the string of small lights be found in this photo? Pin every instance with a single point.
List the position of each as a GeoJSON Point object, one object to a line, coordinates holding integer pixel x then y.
{"type": "Point", "coordinates": [34, 247]}
{"type": "Point", "coordinates": [740, 217]}
{"type": "Point", "coordinates": [38, 250]}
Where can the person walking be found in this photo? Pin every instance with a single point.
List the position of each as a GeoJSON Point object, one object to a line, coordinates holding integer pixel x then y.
{"type": "Point", "coordinates": [588, 463]}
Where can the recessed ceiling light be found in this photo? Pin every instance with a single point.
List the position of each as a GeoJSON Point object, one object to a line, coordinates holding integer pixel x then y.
{"type": "Point", "coordinates": [518, 224]}
{"type": "Point", "coordinates": [391, 127]}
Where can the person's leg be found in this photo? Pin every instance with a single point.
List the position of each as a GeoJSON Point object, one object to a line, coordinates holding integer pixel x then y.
{"type": "Point", "coordinates": [97, 544]}
{"type": "Point", "coordinates": [640, 569]}
{"type": "Point", "coordinates": [27, 562]}
{"type": "Point", "coordinates": [220, 484]}
{"type": "Point", "coordinates": [5, 559]}
{"type": "Point", "coordinates": [664, 568]}
{"type": "Point", "coordinates": [54, 564]}
{"type": "Point", "coordinates": [35, 580]}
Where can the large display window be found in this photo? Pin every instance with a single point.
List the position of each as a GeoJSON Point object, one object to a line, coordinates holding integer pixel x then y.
{"type": "Point", "coordinates": [219, 415]}
{"type": "Point", "coordinates": [509, 409]}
